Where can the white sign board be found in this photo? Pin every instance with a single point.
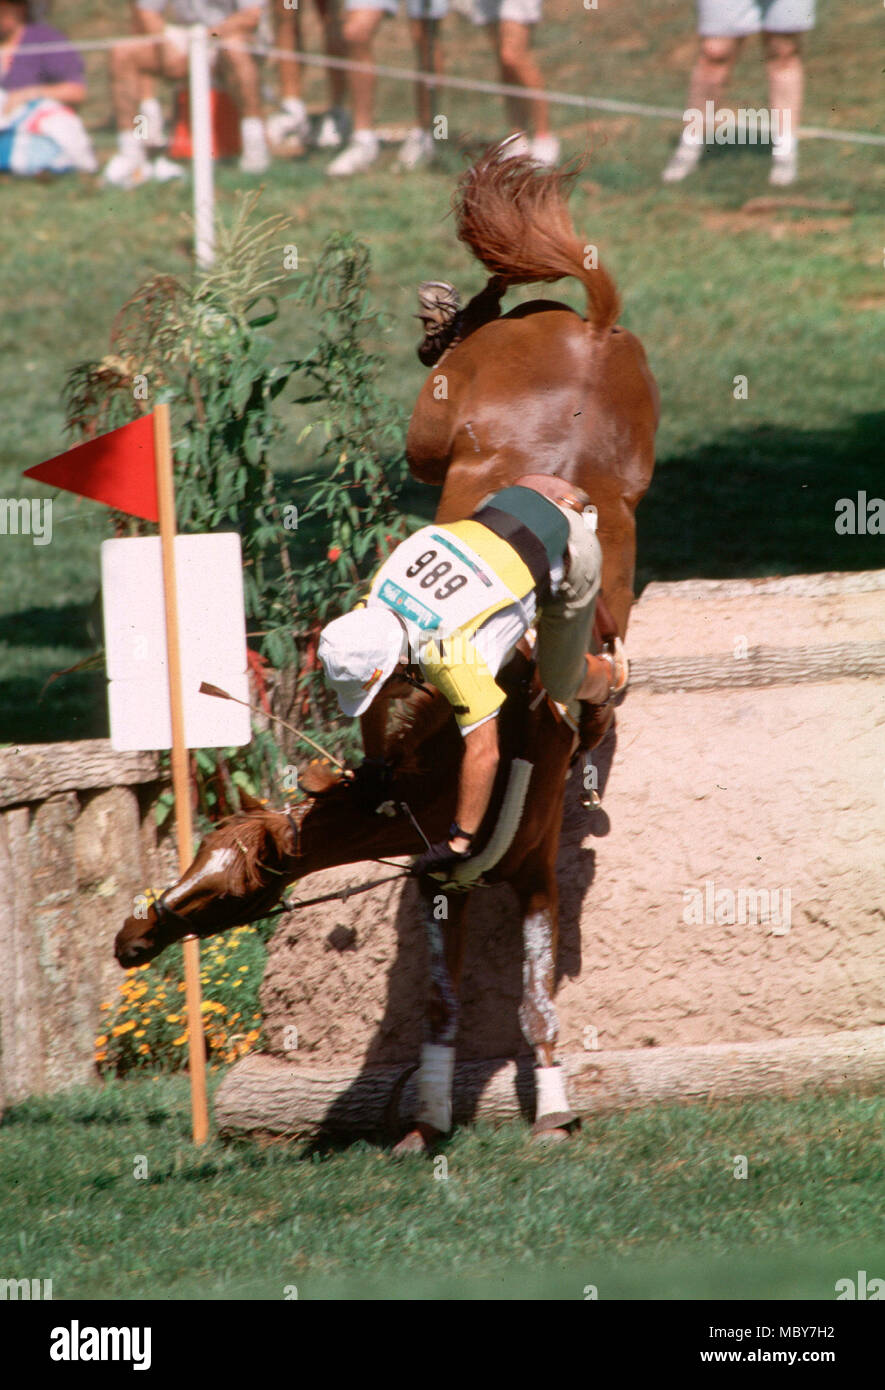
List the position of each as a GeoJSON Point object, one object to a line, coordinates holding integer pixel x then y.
{"type": "Point", "coordinates": [212, 637]}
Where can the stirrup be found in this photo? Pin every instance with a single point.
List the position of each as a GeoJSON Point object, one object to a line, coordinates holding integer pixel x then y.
{"type": "Point", "coordinates": [614, 654]}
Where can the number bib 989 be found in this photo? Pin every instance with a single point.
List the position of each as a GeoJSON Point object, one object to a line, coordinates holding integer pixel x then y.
{"type": "Point", "coordinates": [438, 583]}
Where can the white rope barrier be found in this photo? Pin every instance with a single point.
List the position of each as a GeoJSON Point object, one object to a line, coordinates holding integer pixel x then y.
{"type": "Point", "coordinates": [465, 84]}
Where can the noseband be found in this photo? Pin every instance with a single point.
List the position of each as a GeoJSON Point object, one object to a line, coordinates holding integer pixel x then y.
{"type": "Point", "coordinates": [166, 913]}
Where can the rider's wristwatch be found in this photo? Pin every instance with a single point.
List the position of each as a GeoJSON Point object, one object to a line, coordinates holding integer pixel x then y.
{"type": "Point", "coordinates": [456, 833]}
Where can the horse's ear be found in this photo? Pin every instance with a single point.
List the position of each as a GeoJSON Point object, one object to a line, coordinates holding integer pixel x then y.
{"type": "Point", "coordinates": [249, 803]}
{"type": "Point", "coordinates": [318, 778]}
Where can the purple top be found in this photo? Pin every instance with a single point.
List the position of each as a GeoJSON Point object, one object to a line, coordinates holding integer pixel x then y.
{"type": "Point", "coordinates": [42, 69]}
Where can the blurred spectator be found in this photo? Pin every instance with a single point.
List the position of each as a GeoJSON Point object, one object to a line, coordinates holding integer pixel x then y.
{"type": "Point", "coordinates": [292, 123]}
{"type": "Point", "coordinates": [360, 27]}
{"type": "Point", "coordinates": [510, 24]}
{"type": "Point", "coordinates": [236, 22]}
{"type": "Point", "coordinates": [723, 25]}
{"type": "Point", "coordinates": [26, 76]}
{"type": "Point", "coordinates": [39, 132]}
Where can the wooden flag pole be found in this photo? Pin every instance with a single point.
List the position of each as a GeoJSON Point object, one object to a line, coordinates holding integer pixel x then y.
{"type": "Point", "coordinates": [180, 777]}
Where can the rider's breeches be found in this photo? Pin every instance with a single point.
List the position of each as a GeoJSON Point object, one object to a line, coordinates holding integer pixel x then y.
{"type": "Point", "coordinates": [566, 622]}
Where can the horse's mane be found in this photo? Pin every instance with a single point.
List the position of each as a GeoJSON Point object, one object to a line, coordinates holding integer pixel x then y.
{"type": "Point", "coordinates": [259, 835]}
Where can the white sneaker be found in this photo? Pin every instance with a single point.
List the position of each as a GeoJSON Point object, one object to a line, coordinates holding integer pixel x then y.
{"type": "Point", "coordinates": [255, 158]}
{"type": "Point", "coordinates": [417, 148]}
{"type": "Point", "coordinates": [356, 157]}
{"type": "Point", "coordinates": [127, 171]}
{"type": "Point", "coordinates": [784, 167]}
{"type": "Point", "coordinates": [545, 150]}
{"type": "Point", "coordinates": [165, 170]}
{"type": "Point", "coordinates": [292, 123]}
{"type": "Point", "coordinates": [328, 136]}
{"type": "Point", "coordinates": [683, 161]}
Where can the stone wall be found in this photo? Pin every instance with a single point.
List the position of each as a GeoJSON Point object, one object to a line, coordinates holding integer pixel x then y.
{"type": "Point", "coordinates": [77, 842]}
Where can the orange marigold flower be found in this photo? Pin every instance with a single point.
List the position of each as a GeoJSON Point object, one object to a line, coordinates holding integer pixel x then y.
{"type": "Point", "coordinates": [123, 1028]}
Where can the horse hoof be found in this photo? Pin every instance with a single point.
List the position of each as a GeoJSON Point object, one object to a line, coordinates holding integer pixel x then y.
{"type": "Point", "coordinates": [550, 1136]}
{"type": "Point", "coordinates": [418, 1141]}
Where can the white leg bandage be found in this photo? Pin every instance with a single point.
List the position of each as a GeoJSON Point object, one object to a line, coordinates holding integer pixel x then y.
{"type": "Point", "coordinates": [550, 1092]}
{"type": "Point", "coordinates": [435, 1086]}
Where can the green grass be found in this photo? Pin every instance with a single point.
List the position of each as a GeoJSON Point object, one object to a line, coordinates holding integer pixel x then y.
{"type": "Point", "coordinates": [641, 1205]}
{"type": "Point", "coordinates": [791, 300]}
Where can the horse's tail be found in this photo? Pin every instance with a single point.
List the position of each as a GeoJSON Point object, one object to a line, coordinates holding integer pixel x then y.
{"type": "Point", "coordinates": [515, 220]}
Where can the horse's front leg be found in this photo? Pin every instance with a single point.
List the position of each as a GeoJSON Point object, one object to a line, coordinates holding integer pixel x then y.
{"type": "Point", "coordinates": [443, 915]}
{"type": "Point", "coordinates": [537, 1013]}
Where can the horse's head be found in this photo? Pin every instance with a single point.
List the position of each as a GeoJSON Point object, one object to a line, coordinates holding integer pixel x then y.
{"type": "Point", "coordinates": [243, 866]}
{"type": "Point", "coordinates": [238, 875]}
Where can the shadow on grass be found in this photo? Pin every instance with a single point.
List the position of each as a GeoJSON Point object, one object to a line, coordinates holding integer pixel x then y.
{"type": "Point", "coordinates": [762, 502]}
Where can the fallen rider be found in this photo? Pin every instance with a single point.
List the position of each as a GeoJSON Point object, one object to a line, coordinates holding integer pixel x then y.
{"type": "Point", "coordinates": [450, 605]}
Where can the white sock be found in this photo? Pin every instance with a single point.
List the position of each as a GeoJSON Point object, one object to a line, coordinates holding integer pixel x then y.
{"type": "Point", "coordinates": [365, 137]}
{"type": "Point", "coordinates": [131, 146]}
{"type": "Point", "coordinates": [252, 131]}
{"type": "Point", "coordinates": [152, 110]}
{"type": "Point", "coordinates": [294, 106]}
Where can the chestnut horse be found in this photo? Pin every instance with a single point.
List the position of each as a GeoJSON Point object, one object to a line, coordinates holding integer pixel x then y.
{"type": "Point", "coordinates": [539, 389]}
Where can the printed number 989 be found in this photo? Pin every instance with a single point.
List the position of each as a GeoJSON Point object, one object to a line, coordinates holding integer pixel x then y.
{"type": "Point", "coordinates": [438, 572]}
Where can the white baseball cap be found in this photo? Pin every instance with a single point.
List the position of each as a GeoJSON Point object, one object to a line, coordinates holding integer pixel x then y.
{"type": "Point", "coordinates": [359, 652]}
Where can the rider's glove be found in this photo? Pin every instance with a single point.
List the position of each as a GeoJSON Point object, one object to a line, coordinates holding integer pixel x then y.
{"type": "Point", "coordinates": [439, 860]}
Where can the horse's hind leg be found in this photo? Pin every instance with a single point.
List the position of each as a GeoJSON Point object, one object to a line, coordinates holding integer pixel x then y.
{"type": "Point", "coordinates": [538, 896]}
{"type": "Point", "coordinates": [443, 915]}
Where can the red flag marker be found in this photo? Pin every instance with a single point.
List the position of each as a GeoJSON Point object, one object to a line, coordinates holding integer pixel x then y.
{"type": "Point", "coordinates": [117, 469]}
{"type": "Point", "coordinates": [131, 469]}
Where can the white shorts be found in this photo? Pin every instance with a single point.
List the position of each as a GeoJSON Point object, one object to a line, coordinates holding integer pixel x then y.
{"type": "Point", "coordinates": [493, 11]}
{"type": "Point", "coordinates": [415, 9]}
{"type": "Point", "coordinates": [732, 19]}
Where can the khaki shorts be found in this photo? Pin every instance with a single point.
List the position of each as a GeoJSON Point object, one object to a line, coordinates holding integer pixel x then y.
{"type": "Point", "coordinates": [565, 625]}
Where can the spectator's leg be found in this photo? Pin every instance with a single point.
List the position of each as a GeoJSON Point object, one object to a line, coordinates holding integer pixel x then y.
{"type": "Point", "coordinates": [418, 147]}
{"type": "Point", "coordinates": [712, 70]}
{"type": "Point", "coordinates": [244, 71]}
{"type": "Point", "coordinates": [130, 63]}
{"type": "Point", "coordinates": [287, 38]}
{"type": "Point", "coordinates": [288, 129]}
{"type": "Point", "coordinates": [519, 68]}
{"type": "Point", "coordinates": [783, 59]}
{"type": "Point", "coordinates": [360, 28]}
{"type": "Point", "coordinates": [149, 106]}
{"type": "Point", "coordinates": [709, 77]}
{"type": "Point", "coordinates": [335, 47]}
{"type": "Point", "coordinates": [428, 51]}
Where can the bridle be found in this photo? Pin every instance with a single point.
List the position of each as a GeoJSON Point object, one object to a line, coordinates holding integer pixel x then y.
{"type": "Point", "coordinates": [163, 911]}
